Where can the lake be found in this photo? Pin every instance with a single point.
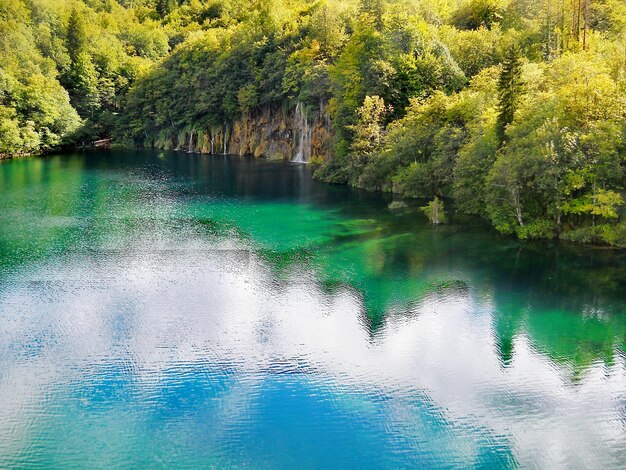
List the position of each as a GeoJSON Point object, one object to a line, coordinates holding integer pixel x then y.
{"type": "Point", "coordinates": [192, 311]}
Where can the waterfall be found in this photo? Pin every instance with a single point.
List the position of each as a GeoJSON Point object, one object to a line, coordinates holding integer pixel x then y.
{"type": "Point", "coordinates": [303, 133]}
{"type": "Point", "coordinates": [212, 140]}
{"type": "Point", "coordinates": [225, 141]}
{"type": "Point", "coordinates": [189, 149]}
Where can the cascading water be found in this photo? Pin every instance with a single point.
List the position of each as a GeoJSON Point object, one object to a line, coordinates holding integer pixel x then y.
{"type": "Point", "coordinates": [303, 133]}
{"type": "Point", "coordinates": [190, 148]}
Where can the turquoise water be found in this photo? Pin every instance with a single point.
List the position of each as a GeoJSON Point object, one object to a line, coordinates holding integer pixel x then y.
{"type": "Point", "coordinates": [175, 310]}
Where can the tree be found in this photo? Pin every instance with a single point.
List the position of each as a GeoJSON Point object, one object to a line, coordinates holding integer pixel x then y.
{"type": "Point", "coordinates": [76, 37]}
{"type": "Point", "coordinates": [435, 212]}
{"type": "Point", "coordinates": [369, 130]}
{"type": "Point", "coordinates": [598, 203]}
{"type": "Point", "coordinates": [510, 88]}
{"type": "Point", "coordinates": [248, 97]}
{"type": "Point", "coordinates": [10, 139]}
{"type": "Point", "coordinates": [84, 80]}
{"type": "Point", "coordinates": [164, 7]}
{"type": "Point", "coordinates": [479, 13]}
{"type": "Point", "coordinates": [327, 27]}
{"type": "Point", "coordinates": [376, 9]}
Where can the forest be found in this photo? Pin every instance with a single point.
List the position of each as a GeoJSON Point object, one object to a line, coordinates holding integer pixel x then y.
{"type": "Point", "coordinates": [511, 110]}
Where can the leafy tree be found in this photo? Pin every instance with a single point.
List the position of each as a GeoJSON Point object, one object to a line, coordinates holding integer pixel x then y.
{"type": "Point", "coordinates": [248, 97]}
{"type": "Point", "coordinates": [375, 9]}
{"type": "Point", "coordinates": [369, 129]}
{"type": "Point", "coordinates": [474, 50]}
{"type": "Point", "coordinates": [10, 138]}
{"type": "Point", "coordinates": [475, 14]}
{"type": "Point", "coordinates": [599, 203]}
{"type": "Point", "coordinates": [327, 27]}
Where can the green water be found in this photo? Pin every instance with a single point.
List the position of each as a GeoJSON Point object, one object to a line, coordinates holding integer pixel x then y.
{"type": "Point", "coordinates": [177, 310]}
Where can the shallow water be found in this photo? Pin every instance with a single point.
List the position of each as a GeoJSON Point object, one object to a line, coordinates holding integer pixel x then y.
{"type": "Point", "coordinates": [175, 310]}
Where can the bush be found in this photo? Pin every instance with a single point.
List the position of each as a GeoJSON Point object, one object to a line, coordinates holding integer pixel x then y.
{"type": "Point", "coordinates": [603, 234]}
{"type": "Point", "coordinates": [316, 161]}
{"type": "Point", "coordinates": [537, 229]}
{"type": "Point", "coordinates": [435, 212]}
{"type": "Point", "coordinates": [397, 205]}
{"type": "Point", "coordinates": [414, 180]}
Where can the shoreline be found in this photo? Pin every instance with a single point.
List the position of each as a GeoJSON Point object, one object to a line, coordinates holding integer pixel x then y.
{"type": "Point", "coordinates": [564, 241]}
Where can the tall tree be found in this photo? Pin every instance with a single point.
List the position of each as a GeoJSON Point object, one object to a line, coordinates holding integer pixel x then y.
{"type": "Point", "coordinates": [369, 129]}
{"type": "Point", "coordinates": [84, 92]}
{"type": "Point", "coordinates": [510, 89]}
{"type": "Point", "coordinates": [164, 7]}
{"type": "Point", "coordinates": [76, 36]}
{"type": "Point", "coordinates": [376, 9]}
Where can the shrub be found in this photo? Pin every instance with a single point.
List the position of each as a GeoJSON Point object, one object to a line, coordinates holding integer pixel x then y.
{"type": "Point", "coordinates": [435, 212]}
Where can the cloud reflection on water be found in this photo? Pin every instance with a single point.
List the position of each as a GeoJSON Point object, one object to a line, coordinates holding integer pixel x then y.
{"type": "Point", "coordinates": [164, 317]}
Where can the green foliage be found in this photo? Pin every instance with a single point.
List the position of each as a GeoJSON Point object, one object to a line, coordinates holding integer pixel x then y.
{"type": "Point", "coordinates": [474, 50]}
{"type": "Point", "coordinates": [164, 7]}
{"type": "Point", "coordinates": [76, 36]}
{"type": "Point", "coordinates": [560, 172]}
{"type": "Point", "coordinates": [10, 136]}
{"type": "Point", "coordinates": [511, 110]}
{"type": "Point", "coordinates": [368, 131]}
{"type": "Point", "coordinates": [602, 234]}
{"type": "Point", "coordinates": [509, 90]}
{"type": "Point", "coordinates": [83, 80]}
{"type": "Point", "coordinates": [476, 157]}
{"type": "Point", "coordinates": [328, 29]}
{"type": "Point", "coordinates": [306, 77]}
{"type": "Point", "coordinates": [600, 203]}
{"type": "Point", "coordinates": [248, 97]}
{"type": "Point", "coordinates": [435, 212]}
{"type": "Point", "coordinates": [63, 61]}
{"type": "Point", "coordinates": [475, 14]}
{"type": "Point", "coordinates": [35, 112]}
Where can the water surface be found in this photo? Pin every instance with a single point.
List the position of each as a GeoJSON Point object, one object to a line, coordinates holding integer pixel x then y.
{"type": "Point", "coordinates": [176, 310]}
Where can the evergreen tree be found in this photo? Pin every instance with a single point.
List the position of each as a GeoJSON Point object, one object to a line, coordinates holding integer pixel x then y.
{"type": "Point", "coordinates": [164, 7]}
{"type": "Point", "coordinates": [76, 37]}
{"type": "Point", "coordinates": [85, 94]}
{"type": "Point", "coordinates": [81, 80]}
{"type": "Point", "coordinates": [510, 89]}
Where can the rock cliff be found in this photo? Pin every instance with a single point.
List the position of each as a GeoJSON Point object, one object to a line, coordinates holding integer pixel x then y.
{"type": "Point", "coordinates": [285, 133]}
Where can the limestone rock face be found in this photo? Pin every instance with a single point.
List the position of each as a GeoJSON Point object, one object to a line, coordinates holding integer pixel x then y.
{"type": "Point", "coordinates": [282, 133]}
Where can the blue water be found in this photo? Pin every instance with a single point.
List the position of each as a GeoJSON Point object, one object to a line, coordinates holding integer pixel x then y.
{"type": "Point", "coordinates": [163, 310]}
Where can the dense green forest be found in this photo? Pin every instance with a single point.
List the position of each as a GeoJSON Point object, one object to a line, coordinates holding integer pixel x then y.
{"type": "Point", "coordinates": [514, 110]}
